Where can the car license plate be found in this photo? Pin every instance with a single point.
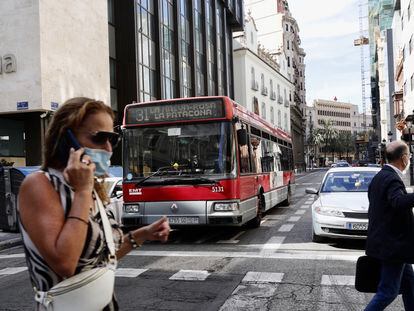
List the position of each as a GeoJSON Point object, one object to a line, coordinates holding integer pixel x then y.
{"type": "Point", "coordinates": [183, 220]}
{"type": "Point", "coordinates": [357, 226]}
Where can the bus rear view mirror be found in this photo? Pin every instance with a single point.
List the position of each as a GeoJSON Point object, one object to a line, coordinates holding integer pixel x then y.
{"type": "Point", "coordinates": [242, 137]}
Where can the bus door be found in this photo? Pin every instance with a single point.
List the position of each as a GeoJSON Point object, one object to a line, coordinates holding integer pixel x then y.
{"type": "Point", "coordinates": [247, 179]}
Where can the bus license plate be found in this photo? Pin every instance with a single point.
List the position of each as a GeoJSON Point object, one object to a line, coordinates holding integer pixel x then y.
{"type": "Point", "coordinates": [183, 220]}
{"type": "Point", "coordinates": [357, 226]}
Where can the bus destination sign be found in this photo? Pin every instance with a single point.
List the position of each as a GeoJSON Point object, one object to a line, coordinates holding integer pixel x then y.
{"type": "Point", "coordinates": [174, 111]}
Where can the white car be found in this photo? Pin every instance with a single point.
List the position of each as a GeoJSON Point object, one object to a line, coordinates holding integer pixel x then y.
{"type": "Point", "coordinates": [113, 186]}
{"type": "Point", "coordinates": [340, 209]}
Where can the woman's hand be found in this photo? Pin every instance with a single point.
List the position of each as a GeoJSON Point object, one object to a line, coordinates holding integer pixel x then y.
{"type": "Point", "coordinates": [79, 172]}
{"type": "Point", "coordinates": [157, 231]}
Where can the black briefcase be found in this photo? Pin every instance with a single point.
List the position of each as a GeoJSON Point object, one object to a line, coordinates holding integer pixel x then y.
{"type": "Point", "coordinates": [368, 273]}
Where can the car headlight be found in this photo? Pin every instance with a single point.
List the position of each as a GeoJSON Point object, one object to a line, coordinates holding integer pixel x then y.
{"type": "Point", "coordinates": [131, 208]}
{"type": "Point", "coordinates": [329, 211]}
{"type": "Point", "coordinates": [226, 206]}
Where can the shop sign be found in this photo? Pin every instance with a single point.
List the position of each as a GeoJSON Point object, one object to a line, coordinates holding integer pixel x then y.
{"type": "Point", "coordinates": [8, 64]}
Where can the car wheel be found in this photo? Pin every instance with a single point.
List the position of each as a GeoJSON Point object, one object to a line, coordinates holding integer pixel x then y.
{"type": "Point", "coordinates": [317, 238]}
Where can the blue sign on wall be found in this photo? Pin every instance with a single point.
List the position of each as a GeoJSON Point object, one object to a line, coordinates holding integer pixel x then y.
{"type": "Point", "coordinates": [54, 105]}
{"type": "Point", "coordinates": [22, 105]}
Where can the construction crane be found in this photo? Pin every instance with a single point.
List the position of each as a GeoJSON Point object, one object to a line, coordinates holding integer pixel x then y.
{"type": "Point", "coordinates": [361, 41]}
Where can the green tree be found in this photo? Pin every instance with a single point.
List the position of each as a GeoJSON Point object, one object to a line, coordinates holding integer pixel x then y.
{"type": "Point", "coordinates": [329, 135]}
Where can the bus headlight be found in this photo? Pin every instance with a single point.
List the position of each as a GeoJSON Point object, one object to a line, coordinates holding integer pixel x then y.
{"type": "Point", "coordinates": [226, 206]}
{"type": "Point", "coordinates": [131, 208]}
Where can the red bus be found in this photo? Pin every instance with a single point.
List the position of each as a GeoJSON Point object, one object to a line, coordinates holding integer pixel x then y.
{"type": "Point", "coordinates": [202, 161]}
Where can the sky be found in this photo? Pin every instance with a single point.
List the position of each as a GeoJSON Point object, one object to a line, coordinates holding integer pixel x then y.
{"type": "Point", "coordinates": [333, 65]}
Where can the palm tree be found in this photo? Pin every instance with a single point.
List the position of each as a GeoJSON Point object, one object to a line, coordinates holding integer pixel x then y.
{"type": "Point", "coordinates": [329, 134]}
{"type": "Point", "coordinates": [315, 139]}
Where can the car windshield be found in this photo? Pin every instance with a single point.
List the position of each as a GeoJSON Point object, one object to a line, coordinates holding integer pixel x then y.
{"type": "Point", "coordinates": [179, 151]}
{"type": "Point", "coordinates": [348, 181]}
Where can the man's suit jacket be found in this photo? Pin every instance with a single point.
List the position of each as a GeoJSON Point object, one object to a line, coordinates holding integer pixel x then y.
{"type": "Point", "coordinates": [391, 220]}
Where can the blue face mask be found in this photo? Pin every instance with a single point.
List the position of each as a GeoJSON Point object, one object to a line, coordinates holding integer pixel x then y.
{"type": "Point", "coordinates": [101, 158]}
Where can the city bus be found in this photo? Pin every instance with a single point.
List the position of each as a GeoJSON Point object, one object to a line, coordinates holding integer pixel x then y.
{"type": "Point", "coordinates": [202, 161]}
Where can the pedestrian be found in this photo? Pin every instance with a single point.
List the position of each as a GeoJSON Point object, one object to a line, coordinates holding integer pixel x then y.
{"type": "Point", "coordinates": [62, 227]}
{"type": "Point", "coordinates": [391, 229]}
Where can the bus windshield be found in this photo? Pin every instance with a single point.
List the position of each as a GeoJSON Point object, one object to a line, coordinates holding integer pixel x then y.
{"type": "Point", "coordinates": [179, 151]}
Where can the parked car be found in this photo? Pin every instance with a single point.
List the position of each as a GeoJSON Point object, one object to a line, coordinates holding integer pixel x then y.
{"type": "Point", "coordinates": [342, 164]}
{"type": "Point", "coordinates": [113, 186]}
{"type": "Point", "coordinates": [340, 209]}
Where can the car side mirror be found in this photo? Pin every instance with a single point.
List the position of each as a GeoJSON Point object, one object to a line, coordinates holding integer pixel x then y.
{"type": "Point", "coordinates": [119, 194]}
{"type": "Point", "coordinates": [311, 191]}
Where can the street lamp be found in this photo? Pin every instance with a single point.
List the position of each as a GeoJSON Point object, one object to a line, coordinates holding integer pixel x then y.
{"type": "Point", "coordinates": [390, 136]}
{"type": "Point", "coordinates": [409, 122]}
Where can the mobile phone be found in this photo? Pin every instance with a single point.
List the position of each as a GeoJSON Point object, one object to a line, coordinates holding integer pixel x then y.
{"type": "Point", "coordinates": [67, 141]}
{"type": "Point", "coordinates": [73, 142]}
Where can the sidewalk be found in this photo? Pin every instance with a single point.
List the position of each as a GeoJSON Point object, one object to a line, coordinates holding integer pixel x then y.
{"type": "Point", "coordinates": [9, 239]}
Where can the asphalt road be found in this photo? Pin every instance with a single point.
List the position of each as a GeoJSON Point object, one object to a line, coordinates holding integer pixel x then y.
{"type": "Point", "coordinates": [274, 267]}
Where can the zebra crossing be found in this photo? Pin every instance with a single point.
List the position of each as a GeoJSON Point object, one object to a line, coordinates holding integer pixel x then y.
{"type": "Point", "coordinates": [203, 275]}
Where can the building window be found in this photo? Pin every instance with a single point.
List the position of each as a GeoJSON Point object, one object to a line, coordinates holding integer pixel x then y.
{"type": "Point", "coordinates": [251, 37]}
{"type": "Point", "coordinates": [147, 50]}
{"type": "Point", "coordinates": [271, 87]}
{"type": "Point", "coordinates": [412, 82]}
{"type": "Point", "coordinates": [211, 60]}
{"type": "Point", "coordinates": [253, 75]}
{"type": "Point", "coordinates": [255, 105]}
{"type": "Point", "coordinates": [185, 49]}
{"type": "Point", "coordinates": [111, 12]}
{"type": "Point", "coordinates": [199, 47]}
{"type": "Point", "coordinates": [263, 110]}
{"type": "Point", "coordinates": [410, 45]}
{"type": "Point", "coordinates": [288, 61]}
{"type": "Point", "coordinates": [279, 119]}
{"type": "Point", "coordinates": [220, 49]}
{"type": "Point", "coordinates": [272, 115]}
{"type": "Point", "coordinates": [286, 122]}
{"type": "Point", "coordinates": [262, 81]}
{"type": "Point", "coordinates": [405, 88]}
{"type": "Point", "coordinates": [287, 44]}
{"type": "Point", "coordinates": [167, 50]}
{"type": "Point", "coordinates": [287, 27]}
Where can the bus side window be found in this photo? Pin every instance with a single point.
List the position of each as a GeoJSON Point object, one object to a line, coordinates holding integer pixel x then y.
{"type": "Point", "coordinates": [256, 154]}
{"type": "Point", "coordinates": [243, 148]}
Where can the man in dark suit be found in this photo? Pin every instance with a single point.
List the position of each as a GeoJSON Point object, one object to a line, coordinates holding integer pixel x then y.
{"type": "Point", "coordinates": [391, 229]}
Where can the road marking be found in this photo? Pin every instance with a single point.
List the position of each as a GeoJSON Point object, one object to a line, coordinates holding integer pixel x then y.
{"type": "Point", "coordinates": [9, 271]}
{"type": "Point", "coordinates": [263, 277]}
{"type": "Point", "coordinates": [190, 275]}
{"type": "Point", "coordinates": [305, 206]}
{"type": "Point", "coordinates": [128, 272]}
{"type": "Point", "coordinates": [233, 239]}
{"type": "Point", "coordinates": [307, 184]}
{"type": "Point", "coordinates": [309, 202]}
{"type": "Point", "coordinates": [18, 255]}
{"type": "Point", "coordinates": [342, 280]}
{"type": "Point", "coordinates": [272, 245]}
{"type": "Point", "coordinates": [285, 228]}
{"type": "Point", "coordinates": [263, 221]}
{"type": "Point", "coordinates": [274, 217]}
{"type": "Point", "coordinates": [300, 212]}
{"type": "Point", "coordinates": [293, 218]}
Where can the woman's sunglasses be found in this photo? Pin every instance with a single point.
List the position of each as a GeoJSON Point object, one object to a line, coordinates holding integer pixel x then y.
{"type": "Point", "coordinates": [101, 137]}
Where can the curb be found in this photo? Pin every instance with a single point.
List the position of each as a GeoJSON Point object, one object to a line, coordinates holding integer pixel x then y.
{"type": "Point", "coordinates": [10, 243]}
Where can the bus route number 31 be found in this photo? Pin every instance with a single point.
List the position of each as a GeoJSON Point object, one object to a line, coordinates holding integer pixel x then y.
{"type": "Point", "coordinates": [217, 189]}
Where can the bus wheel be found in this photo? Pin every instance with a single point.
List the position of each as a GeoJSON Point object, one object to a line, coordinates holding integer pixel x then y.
{"type": "Point", "coordinates": [288, 199]}
{"type": "Point", "coordinates": [256, 221]}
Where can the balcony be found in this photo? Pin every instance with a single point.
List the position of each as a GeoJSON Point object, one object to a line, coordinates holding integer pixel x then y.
{"type": "Point", "coordinates": [264, 91]}
{"type": "Point", "coordinates": [280, 99]}
{"type": "Point", "coordinates": [255, 85]}
{"type": "Point", "coordinates": [273, 95]}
